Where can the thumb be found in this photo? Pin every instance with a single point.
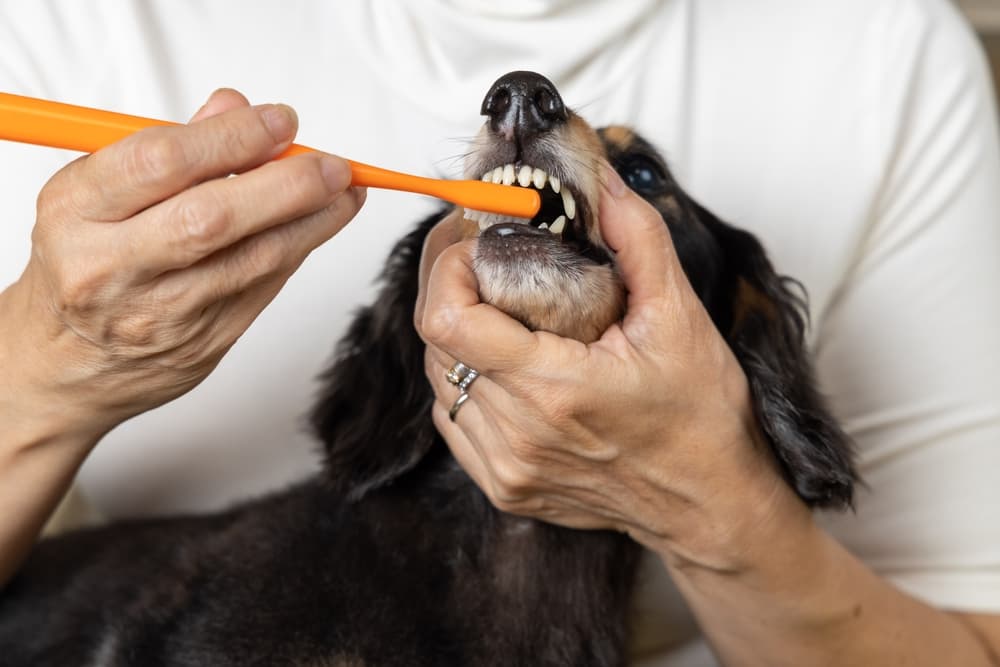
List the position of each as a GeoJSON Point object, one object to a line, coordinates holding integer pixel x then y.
{"type": "Point", "coordinates": [223, 99]}
{"type": "Point", "coordinates": [645, 255]}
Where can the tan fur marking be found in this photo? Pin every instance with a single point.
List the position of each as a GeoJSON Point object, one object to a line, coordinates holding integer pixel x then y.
{"type": "Point", "coordinates": [620, 136]}
{"type": "Point", "coordinates": [671, 206]}
{"type": "Point", "coordinates": [748, 300]}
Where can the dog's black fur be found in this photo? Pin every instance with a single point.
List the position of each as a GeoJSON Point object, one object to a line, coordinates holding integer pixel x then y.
{"type": "Point", "coordinates": [391, 556]}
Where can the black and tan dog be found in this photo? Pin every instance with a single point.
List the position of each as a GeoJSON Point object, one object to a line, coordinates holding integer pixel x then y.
{"type": "Point", "coordinates": [391, 555]}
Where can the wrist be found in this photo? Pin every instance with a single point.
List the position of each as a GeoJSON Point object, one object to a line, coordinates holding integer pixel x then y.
{"type": "Point", "coordinates": [34, 407]}
{"type": "Point", "coordinates": [734, 522]}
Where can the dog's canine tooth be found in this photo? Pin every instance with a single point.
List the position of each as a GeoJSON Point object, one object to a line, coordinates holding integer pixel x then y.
{"type": "Point", "coordinates": [559, 224]}
{"type": "Point", "coordinates": [497, 175]}
{"type": "Point", "coordinates": [554, 182]}
{"type": "Point", "coordinates": [488, 177]}
{"type": "Point", "coordinates": [544, 225]}
{"type": "Point", "coordinates": [524, 176]}
{"type": "Point", "coordinates": [538, 178]}
{"type": "Point", "coordinates": [508, 174]}
{"type": "Point", "coordinates": [569, 204]}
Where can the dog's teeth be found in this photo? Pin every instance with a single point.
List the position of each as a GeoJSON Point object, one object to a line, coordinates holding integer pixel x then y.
{"type": "Point", "coordinates": [524, 176]}
{"type": "Point", "coordinates": [554, 182]}
{"type": "Point", "coordinates": [497, 175]}
{"type": "Point", "coordinates": [544, 225]}
{"type": "Point", "coordinates": [483, 224]}
{"type": "Point", "coordinates": [559, 224]}
{"type": "Point", "coordinates": [508, 174]}
{"type": "Point", "coordinates": [538, 177]}
{"type": "Point", "coordinates": [569, 204]}
{"type": "Point", "coordinates": [488, 177]}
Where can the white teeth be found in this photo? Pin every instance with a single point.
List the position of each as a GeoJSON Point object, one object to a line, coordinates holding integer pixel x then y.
{"type": "Point", "coordinates": [569, 204]}
{"type": "Point", "coordinates": [538, 178]}
{"type": "Point", "coordinates": [508, 174]}
{"type": "Point", "coordinates": [524, 176]}
{"type": "Point", "coordinates": [558, 226]}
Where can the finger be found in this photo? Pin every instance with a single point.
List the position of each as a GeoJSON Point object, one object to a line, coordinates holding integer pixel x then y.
{"type": "Point", "coordinates": [645, 253]}
{"type": "Point", "coordinates": [266, 258]}
{"type": "Point", "coordinates": [214, 215]}
{"type": "Point", "coordinates": [472, 460]}
{"type": "Point", "coordinates": [222, 100]}
{"type": "Point", "coordinates": [235, 286]}
{"type": "Point", "coordinates": [156, 163]}
{"type": "Point", "coordinates": [441, 236]}
{"type": "Point", "coordinates": [456, 321]}
{"type": "Point", "coordinates": [492, 400]}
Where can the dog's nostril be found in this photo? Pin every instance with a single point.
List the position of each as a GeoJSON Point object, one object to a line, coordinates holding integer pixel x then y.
{"type": "Point", "coordinates": [497, 102]}
{"type": "Point", "coordinates": [522, 104]}
{"type": "Point", "coordinates": [548, 104]}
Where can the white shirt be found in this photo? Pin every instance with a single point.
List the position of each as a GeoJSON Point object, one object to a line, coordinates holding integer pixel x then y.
{"type": "Point", "coordinates": [856, 138]}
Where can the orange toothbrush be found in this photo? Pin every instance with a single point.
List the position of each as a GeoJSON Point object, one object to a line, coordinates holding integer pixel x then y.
{"type": "Point", "coordinates": [36, 121]}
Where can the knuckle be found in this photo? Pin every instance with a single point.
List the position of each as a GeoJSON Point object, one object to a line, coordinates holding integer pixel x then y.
{"type": "Point", "coordinates": [60, 194]}
{"type": "Point", "coordinates": [304, 181]}
{"type": "Point", "coordinates": [265, 255]}
{"type": "Point", "coordinates": [139, 330]}
{"type": "Point", "coordinates": [77, 289]}
{"type": "Point", "coordinates": [438, 324]}
{"type": "Point", "coordinates": [160, 156]}
{"type": "Point", "coordinates": [201, 222]}
{"type": "Point", "coordinates": [511, 485]}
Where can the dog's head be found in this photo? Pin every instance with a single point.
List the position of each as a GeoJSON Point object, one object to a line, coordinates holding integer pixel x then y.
{"type": "Point", "coordinates": [556, 273]}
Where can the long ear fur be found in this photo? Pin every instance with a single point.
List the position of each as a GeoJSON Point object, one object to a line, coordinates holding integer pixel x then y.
{"type": "Point", "coordinates": [766, 330]}
{"type": "Point", "coordinates": [373, 413]}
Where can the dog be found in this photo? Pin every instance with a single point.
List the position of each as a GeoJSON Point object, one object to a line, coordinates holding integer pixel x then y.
{"type": "Point", "coordinates": [391, 555]}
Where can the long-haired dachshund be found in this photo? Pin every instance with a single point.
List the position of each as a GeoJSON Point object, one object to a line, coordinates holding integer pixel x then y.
{"type": "Point", "coordinates": [391, 555]}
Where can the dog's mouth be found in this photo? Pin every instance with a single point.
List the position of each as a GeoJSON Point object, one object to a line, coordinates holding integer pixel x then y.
{"type": "Point", "coordinates": [552, 272]}
{"type": "Point", "coordinates": [564, 213]}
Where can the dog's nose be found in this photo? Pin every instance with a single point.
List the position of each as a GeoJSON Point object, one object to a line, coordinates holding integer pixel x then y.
{"type": "Point", "coordinates": [523, 104]}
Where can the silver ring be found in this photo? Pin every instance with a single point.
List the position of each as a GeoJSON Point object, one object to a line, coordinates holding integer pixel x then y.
{"type": "Point", "coordinates": [470, 377]}
{"type": "Point", "coordinates": [457, 373]}
{"type": "Point", "coordinates": [459, 402]}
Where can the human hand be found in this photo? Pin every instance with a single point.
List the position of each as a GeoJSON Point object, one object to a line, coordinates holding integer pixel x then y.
{"type": "Point", "coordinates": [148, 262]}
{"type": "Point", "coordinates": [649, 430]}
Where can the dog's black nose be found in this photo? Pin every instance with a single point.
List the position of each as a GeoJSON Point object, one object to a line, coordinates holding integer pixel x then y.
{"type": "Point", "coordinates": [523, 104]}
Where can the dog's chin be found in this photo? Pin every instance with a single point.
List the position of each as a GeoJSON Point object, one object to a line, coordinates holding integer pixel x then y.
{"type": "Point", "coordinates": [545, 281]}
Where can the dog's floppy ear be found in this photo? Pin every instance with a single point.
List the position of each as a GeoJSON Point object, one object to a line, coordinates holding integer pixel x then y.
{"type": "Point", "coordinates": [766, 330]}
{"type": "Point", "coordinates": [373, 413]}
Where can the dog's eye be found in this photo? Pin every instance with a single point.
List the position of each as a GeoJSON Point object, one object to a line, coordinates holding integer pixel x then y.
{"type": "Point", "coordinates": [643, 175]}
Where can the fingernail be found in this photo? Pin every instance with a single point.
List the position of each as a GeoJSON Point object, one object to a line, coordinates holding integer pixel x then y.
{"type": "Point", "coordinates": [336, 172]}
{"type": "Point", "coordinates": [280, 120]}
{"type": "Point", "coordinates": [614, 183]}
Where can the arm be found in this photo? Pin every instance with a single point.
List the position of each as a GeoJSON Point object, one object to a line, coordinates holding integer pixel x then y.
{"type": "Point", "coordinates": [147, 264]}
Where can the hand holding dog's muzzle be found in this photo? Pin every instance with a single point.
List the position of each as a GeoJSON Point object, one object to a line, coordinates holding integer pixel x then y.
{"type": "Point", "coordinates": [649, 430]}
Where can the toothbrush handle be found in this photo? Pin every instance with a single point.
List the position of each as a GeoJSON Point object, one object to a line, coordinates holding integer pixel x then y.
{"type": "Point", "coordinates": [47, 123]}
